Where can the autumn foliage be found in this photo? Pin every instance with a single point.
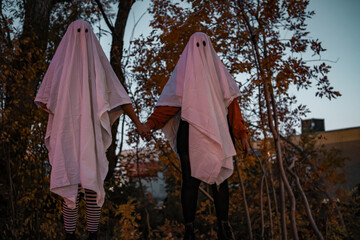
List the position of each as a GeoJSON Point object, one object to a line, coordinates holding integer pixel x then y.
{"type": "Point", "coordinates": [282, 190]}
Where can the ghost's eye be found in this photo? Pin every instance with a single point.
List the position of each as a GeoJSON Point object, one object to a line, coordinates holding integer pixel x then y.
{"type": "Point", "coordinates": [79, 29]}
{"type": "Point", "coordinates": [197, 44]}
{"type": "Point", "coordinates": [204, 43]}
{"type": "Point", "coordinates": [86, 30]}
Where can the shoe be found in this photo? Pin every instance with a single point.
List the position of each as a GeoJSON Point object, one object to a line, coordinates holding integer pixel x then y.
{"type": "Point", "coordinates": [189, 231]}
{"type": "Point", "coordinates": [225, 231]}
{"type": "Point", "coordinates": [70, 236]}
{"type": "Point", "coordinates": [92, 236]}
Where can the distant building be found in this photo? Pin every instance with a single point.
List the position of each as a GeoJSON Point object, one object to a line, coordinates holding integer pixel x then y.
{"type": "Point", "coordinates": [148, 169]}
{"type": "Point", "coordinates": [346, 140]}
{"type": "Point", "coordinates": [312, 125]}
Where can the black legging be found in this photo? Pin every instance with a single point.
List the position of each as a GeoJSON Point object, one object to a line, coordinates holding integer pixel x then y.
{"type": "Point", "coordinates": [190, 185]}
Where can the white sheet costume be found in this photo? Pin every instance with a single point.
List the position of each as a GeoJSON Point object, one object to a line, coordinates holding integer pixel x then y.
{"type": "Point", "coordinates": [203, 88]}
{"type": "Point", "coordinates": [83, 96]}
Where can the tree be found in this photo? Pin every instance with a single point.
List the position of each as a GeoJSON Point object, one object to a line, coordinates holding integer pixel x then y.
{"type": "Point", "coordinates": [22, 57]}
{"type": "Point", "coordinates": [116, 54]}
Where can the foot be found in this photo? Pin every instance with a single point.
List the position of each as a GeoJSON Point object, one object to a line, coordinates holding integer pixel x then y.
{"type": "Point", "coordinates": [225, 231]}
{"type": "Point", "coordinates": [92, 236]}
{"type": "Point", "coordinates": [189, 231]}
{"type": "Point", "coordinates": [70, 236]}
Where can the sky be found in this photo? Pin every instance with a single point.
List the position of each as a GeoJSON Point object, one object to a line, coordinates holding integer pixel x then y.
{"type": "Point", "coordinates": [336, 25]}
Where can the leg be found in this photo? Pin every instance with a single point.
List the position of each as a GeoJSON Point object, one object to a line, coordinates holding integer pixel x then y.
{"type": "Point", "coordinates": [93, 211]}
{"type": "Point", "coordinates": [70, 217]}
{"type": "Point", "coordinates": [221, 200]}
{"type": "Point", "coordinates": [190, 185]}
{"type": "Point", "coordinates": [189, 192]}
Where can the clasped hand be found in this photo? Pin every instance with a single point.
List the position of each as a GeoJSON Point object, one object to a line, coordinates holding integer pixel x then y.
{"type": "Point", "coordinates": [144, 131]}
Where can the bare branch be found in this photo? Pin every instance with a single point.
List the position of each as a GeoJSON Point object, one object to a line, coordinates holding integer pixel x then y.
{"type": "Point", "coordinates": [322, 60]}
{"type": "Point", "coordinates": [132, 37]}
{"type": "Point", "coordinates": [107, 21]}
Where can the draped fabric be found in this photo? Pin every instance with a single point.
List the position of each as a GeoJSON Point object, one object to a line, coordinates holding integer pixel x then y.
{"type": "Point", "coordinates": [83, 97]}
{"type": "Point", "coordinates": [203, 88]}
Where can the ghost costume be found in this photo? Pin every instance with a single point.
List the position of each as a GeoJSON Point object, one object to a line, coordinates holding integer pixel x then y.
{"type": "Point", "coordinates": [203, 88]}
{"type": "Point", "coordinates": [198, 112]}
{"type": "Point", "coordinates": [83, 97]}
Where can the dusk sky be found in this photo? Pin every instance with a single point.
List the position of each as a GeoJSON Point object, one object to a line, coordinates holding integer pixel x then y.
{"type": "Point", "coordinates": [336, 25]}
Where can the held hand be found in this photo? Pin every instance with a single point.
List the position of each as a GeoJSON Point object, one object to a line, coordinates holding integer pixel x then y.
{"type": "Point", "coordinates": [145, 132]}
{"type": "Point", "coordinates": [245, 146]}
{"type": "Point", "coordinates": [142, 130]}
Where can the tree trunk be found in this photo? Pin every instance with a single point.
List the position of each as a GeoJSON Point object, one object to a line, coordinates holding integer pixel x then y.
{"type": "Point", "coordinates": [268, 197]}
{"type": "Point", "coordinates": [115, 61]}
{"type": "Point", "coordinates": [18, 96]}
{"type": "Point", "coordinates": [282, 210]}
{"type": "Point", "coordinates": [36, 22]}
{"type": "Point", "coordinates": [262, 206]}
{"type": "Point", "coordinates": [242, 189]}
{"type": "Point", "coordinates": [271, 109]}
{"type": "Point", "coordinates": [270, 209]}
{"type": "Point", "coordinates": [306, 205]}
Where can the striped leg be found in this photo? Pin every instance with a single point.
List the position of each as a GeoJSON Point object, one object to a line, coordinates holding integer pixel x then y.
{"type": "Point", "coordinates": [70, 216]}
{"type": "Point", "coordinates": [93, 211]}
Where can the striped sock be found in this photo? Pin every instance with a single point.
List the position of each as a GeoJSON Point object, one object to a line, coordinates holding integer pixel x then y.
{"type": "Point", "coordinates": [70, 216]}
{"type": "Point", "coordinates": [93, 211]}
